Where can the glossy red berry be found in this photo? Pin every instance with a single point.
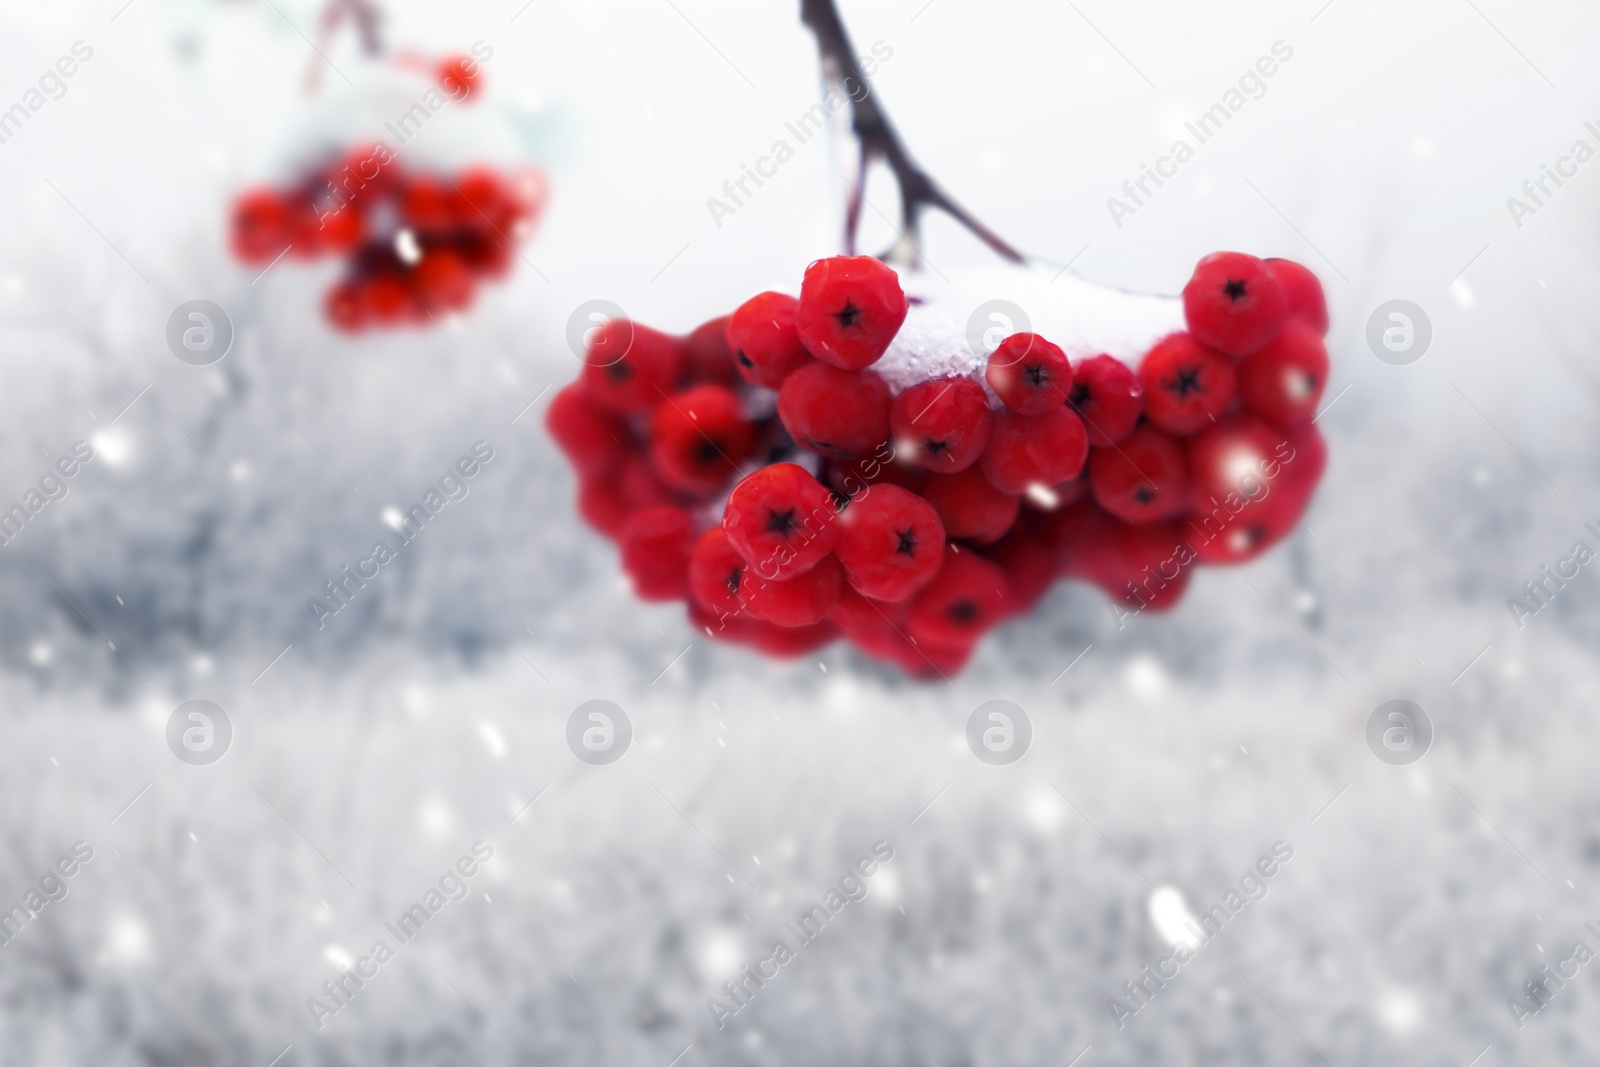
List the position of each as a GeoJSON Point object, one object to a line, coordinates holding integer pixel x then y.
{"type": "Point", "coordinates": [716, 574]}
{"type": "Point", "coordinates": [970, 508]}
{"type": "Point", "coordinates": [1107, 396]}
{"type": "Point", "coordinates": [1225, 531]}
{"type": "Point", "coordinates": [941, 425]}
{"type": "Point", "coordinates": [1302, 291]}
{"type": "Point", "coordinates": [1187, 386]}
{"type": "Point", "coordinates": [765, 342]}
{"type": "Point", "coordinates": [629, 367]}
{"type": "Point", "coordinates": [593, 439]}
{"type": "Point", "coordinates": [1233, 303]}
{"type": "Point", "coordinates": [798, 601]}
{"type": "Point", "coordinates": [656, 545]}
{"type": "Point", "coordinates": [966, 598]}
{"type": "Point", "coordinates": [1241, 457]}
{"type": "Point", "coordinates": [850, 309]}
{"type": "Point", "coordinates": [781, 520]}
{"type": "Point", "coordinates": [459, 77]}
{"type": "Point", "coordinates": [443, 281]}
{"type": "Point", "coordinates": [1283, 380]}
{"type": "Point", "coordinates": [699, 437]}
{"type": "Point", "coordinates": [706, 355]}
{"type": "Point", "coordinates": [890, 542]}
{"type": "Point", "coordinates": [1029, 374]}
{"type": "Point", "coordinates": [835, 413]}
{"type": "Point", "coordinates": [1142, 478]}
{"type": "Point", "coordinates": [1029, 450]}
{"type": "Point", "coordinates": [855, 614]}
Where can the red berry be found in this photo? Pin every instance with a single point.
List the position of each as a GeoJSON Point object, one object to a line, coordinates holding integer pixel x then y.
{"type": "Point", "coordinates": [835, 413]}
{"type": "Point", "coordinates": [426, 204]}
{"type": "Point", "coordinates": [630, 367]}
{"type": "Point", "coordinates": [1303, 292]}
{"type": "Point", "coordinates": [1029, 565]}
{"type": "Point", "coordinates": [1233, 303]}
{"type": "Point", "coordinates": [385, 299]}
{"type": "Point", "coordinates": [850, 309]}
{"type": "Point", "coordinates": [1142, 478]}
{"type": "Point", "coordinates": [1231, 529]}
{"type": "Point", "coordinates": [1027, 450]}
{"type": "Point", "coordinates": [716, 574]}
{"type": "Point", "coordinates": [798, 601]}
{"type": "Point", "coordinates": [444, 280]}
{"type": "Point", "coordinates": [942, 425]}
{"type": "Point", "coordinates": [780, 641]}
{"type": "Point", "coordinates": [699, 437]}
{"type": "Point", "coordinates": [344, 307]}
{"type": "Point", "coordinates": [970, 508]}
{"type": "Point", "coordinates": [1155, 563]}
{"type": "Point", "coordinates": [766, 345]}
{"type": "Point", "coordinates": [1029, 374]}
{"type": "Point", "coordinates": [602, 506]}
{"type": "Point", "coordinates": [1187, 386]}
{"type": "Point", "coordinates": [591, 438]}
{"type": "Point", "coordinates": [855, 614]}
{"type": "Point", "coordinates": [260, 226]}
{"type": "Point", "coordinates": [341, 228]}
{"type": "Point", "coordinates": [781, 520]}
{"type": "Point", "coordinates": [966, 598]}
{"type": "Point", "coordinates": [656, 544]}
{"type": "Point", "coordinates": [890, 542]}
{"type": "Point", "coordinates": [1240, 458]}
{"type": "Point", "coordinates": [706, 355]}
{"type": "Point", "coordinates": [458, 76]}
{"type": "Point", "coordinates": [1283, 380]}
{"type": "Point", "coordinates": [849, 478]}
{"type": "Point", "coordinates": [1108, 398]}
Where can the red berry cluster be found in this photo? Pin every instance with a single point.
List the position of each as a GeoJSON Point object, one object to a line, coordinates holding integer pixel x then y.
{"type": "Point", "coordinates": [910, 524]}
{"type": "Point", "coordinates": [414, 245]}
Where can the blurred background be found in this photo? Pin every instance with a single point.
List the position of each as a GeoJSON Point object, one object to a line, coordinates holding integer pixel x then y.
{"type": "Point", "coordinates": [427, 723]}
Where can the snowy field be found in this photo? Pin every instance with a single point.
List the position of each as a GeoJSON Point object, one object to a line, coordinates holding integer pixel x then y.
{"type": "Point", "coordinates": [425, 725]}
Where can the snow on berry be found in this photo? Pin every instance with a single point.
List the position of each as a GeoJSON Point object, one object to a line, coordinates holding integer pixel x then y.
{"type": "Point", "coordinates": [757, 469]}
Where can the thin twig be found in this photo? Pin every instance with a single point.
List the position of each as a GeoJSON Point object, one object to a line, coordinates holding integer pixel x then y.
{"type": "Point", "coordinates": [880, 142]}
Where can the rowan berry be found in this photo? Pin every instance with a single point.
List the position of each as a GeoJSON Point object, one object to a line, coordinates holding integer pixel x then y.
{"type": "Point", "coordinates": [1233, 303]}
{"type": "Point", "coordinates": [1283, 380]}
{"type": "Point", "coordinates": [941, 425]}
{"type": "Point", "coordinates": [1187, 386]}
{"type": "Point", "coordinates": [781, 520]}
{"type": "Point", "coordinates": [1029, 374]}
{"type": "Point", "coordinates": [835, 413]}
{"type": "Point", "coordinates": [970, 508]}
{"type": "Point", "coordinates": [890, 542]}
{"type": "Point", "coordinates": [1107, 396]}
{"type": "Point", "coordinates": [1142, 478]}
{"type": "Point", "coordinates": [1030, 450]}
{"type": "Point", "coordinates": [765, 342]}
{"type": "Point", "coordinates": [850, 309]}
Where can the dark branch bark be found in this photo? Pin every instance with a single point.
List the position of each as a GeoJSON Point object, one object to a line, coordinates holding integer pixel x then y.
{"type": "Point", "coordinates": [879, 141]}
{"type": "Point", "coordinates": [367, 19]}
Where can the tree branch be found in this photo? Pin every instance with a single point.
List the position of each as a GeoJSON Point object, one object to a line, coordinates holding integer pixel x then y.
{"type": "Point", "coordinates": [879, 141]}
